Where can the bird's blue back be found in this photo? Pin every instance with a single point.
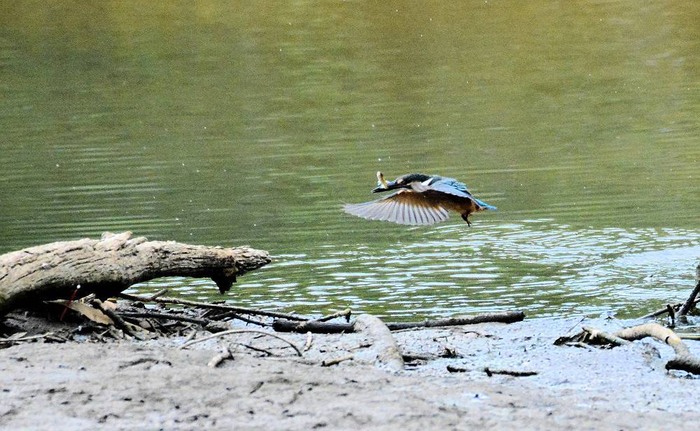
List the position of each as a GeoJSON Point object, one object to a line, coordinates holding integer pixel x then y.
{"type": "Point", "coordinates": [452, 186]}
{"type": "Point", "coordinates": [449, 182]}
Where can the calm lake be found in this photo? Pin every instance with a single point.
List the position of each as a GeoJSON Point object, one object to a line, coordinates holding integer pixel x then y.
{"type": "Point", "coordinates": [236, 122]}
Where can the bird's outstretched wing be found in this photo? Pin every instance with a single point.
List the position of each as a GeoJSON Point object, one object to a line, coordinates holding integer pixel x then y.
{"type": "Point", "coordinates": [403, 207]}
{"type": "Point", "coordinates": [450, 187]}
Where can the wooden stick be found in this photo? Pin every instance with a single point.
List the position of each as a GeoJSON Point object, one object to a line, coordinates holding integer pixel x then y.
{"type": "Point", "coordinates": [690, 302]}
{"type": "Point", "coordinates": [656, 331]}
{"type": "Point", "coordinates": [309, 341]}
{"type": "Point", "coordinates": [219, 358]}
{"type": "Point", "coordinates": [504, 317]}
{"type": "Point", "coordinates": [20, 337]}
{"type": "Point", "coordinates": [285, 325]}
{"type": "Point", "coordinates": [490, 372]}
{"type": "Point", "coordinates": [257, 349]}
{"type": "Point", "coordinates": [128, 328]}
{"type": "Point", "coordinates": [167, 316]}
{"type": "Point", "coordinates": [683, 359]}
{"type": "Point", "coordinates": [241, 331]}
{"type": "Point", "coordinates": [318, 327]}
{"type": "Point", "coordinates": [345, 313]}
{"type": "Point", "coordinates": [597, 335]}
{"type": "Point", "coordinates": [336, 361]}
{"type": "Point", "coordinates": [235, 309]}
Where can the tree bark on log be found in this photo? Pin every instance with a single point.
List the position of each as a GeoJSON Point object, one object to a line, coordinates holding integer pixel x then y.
{"type": "Point", "coordinates": [111, 264]}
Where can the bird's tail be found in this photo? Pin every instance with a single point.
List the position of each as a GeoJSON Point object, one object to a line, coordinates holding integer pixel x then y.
{"type": "Point", "coordinates": [484, 206]}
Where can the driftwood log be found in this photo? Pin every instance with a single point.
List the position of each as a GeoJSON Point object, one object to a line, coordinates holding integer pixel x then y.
{"type": "Point", "coordinates": [683, 359]}
{"type": "Point", "coordinates": [107, 266]}
{"type": "Point", "coordinates": [322, 327]}
{"type": "Point", "coordinates": [383, 351]}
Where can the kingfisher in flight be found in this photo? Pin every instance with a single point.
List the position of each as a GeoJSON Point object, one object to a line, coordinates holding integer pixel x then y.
{"type": "Point", "coordinates": [419, 199]}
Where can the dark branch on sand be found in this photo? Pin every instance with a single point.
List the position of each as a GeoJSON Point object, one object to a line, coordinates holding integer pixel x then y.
{"type": "Point", "coordinates": [680, 309]}
{"type": "Point", "coordinates": [319, 327]}
{"type": "Point", "coordinates": [223, 307]}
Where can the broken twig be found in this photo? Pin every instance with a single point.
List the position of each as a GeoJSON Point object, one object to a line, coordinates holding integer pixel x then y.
{"type": "Point", "coordinates": [224, 307]}
{"type": "Point", "coordinates": [219, 358]}
{"type": "Point", "coordinates": [336, 361]}
{"type": "Point", "coordinates": [241, 331]}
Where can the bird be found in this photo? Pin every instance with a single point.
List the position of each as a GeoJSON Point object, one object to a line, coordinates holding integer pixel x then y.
{"type": "Point", "coordinates": [419, 199]}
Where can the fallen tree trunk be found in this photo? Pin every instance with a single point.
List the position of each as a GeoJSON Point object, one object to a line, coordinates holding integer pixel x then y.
{"type": "Point", "coordinates": [73, 269]}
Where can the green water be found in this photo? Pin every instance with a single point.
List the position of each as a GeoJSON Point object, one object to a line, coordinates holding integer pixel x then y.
{"type": "Point", "coordinates": [230, 123]}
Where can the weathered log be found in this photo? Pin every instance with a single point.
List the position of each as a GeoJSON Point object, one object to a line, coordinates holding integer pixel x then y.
{"type": "Point", "coordinates": [321, 327]}
{"type": "Point", "coordinates": [683, 359]}
{"type": "Point", "coordinates": [657, 331]}
{"type": "Point", "coordinates": [503, 317]}
{"type": "Point", "coordinates": [111, 264]}
{"type": "Point", "coordinates": [384, 351]}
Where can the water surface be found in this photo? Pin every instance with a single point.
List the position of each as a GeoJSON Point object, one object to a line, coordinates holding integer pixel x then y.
{"type": "Point", "coordinates": [229, 123]}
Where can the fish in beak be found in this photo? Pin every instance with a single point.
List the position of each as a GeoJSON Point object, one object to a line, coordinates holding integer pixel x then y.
{"type": "Point", "coordinates": [382, 184]}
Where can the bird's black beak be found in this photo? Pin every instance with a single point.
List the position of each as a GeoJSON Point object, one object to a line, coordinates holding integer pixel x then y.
{"type": "Point", "coordinates": [382, 188]}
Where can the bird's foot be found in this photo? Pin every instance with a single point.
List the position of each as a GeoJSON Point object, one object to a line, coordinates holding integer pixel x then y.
{"type": "Point", "coordinates": [465, 217]}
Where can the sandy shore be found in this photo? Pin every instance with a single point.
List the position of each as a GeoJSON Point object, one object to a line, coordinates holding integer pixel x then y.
{"type": "Point", "coordinates": [155, 385]}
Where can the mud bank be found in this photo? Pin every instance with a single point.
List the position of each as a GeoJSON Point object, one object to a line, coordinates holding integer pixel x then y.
{"type": "Point", "coordinates": [155, 385]}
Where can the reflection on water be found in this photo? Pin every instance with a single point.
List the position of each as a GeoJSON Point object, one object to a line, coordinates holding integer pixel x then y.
{"type": "Point", "coordinates": [229, 123]}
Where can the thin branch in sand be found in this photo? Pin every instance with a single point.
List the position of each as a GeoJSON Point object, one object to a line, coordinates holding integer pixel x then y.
{"type": "Point", "coordinates": [128, 328]}
{"type": "Point", "coordinates": [224, 307]}
{"type": "Point", "coordinates": [309, 341]}
{"type": "Point", "coordinates": [490, 372]}
{"type": "Point", "coordinates": [237, 316]}
{"type": "Point", "coordinates": [344, 313]}
{"type": "Point", "coordinates": [691, 301]}
{"type": "Point", "coordinates": [337, 361]}
{"type": "Point", "coordinates": [166, 316]}
{"type": "Point", "coordinates": [241, 331]}
{"type": "Point", "coordinates": [257, 349]}
{"type": "Point", "coordinates": [22, 337]}
{"type": "Point", "coordinates": [219, 358]}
